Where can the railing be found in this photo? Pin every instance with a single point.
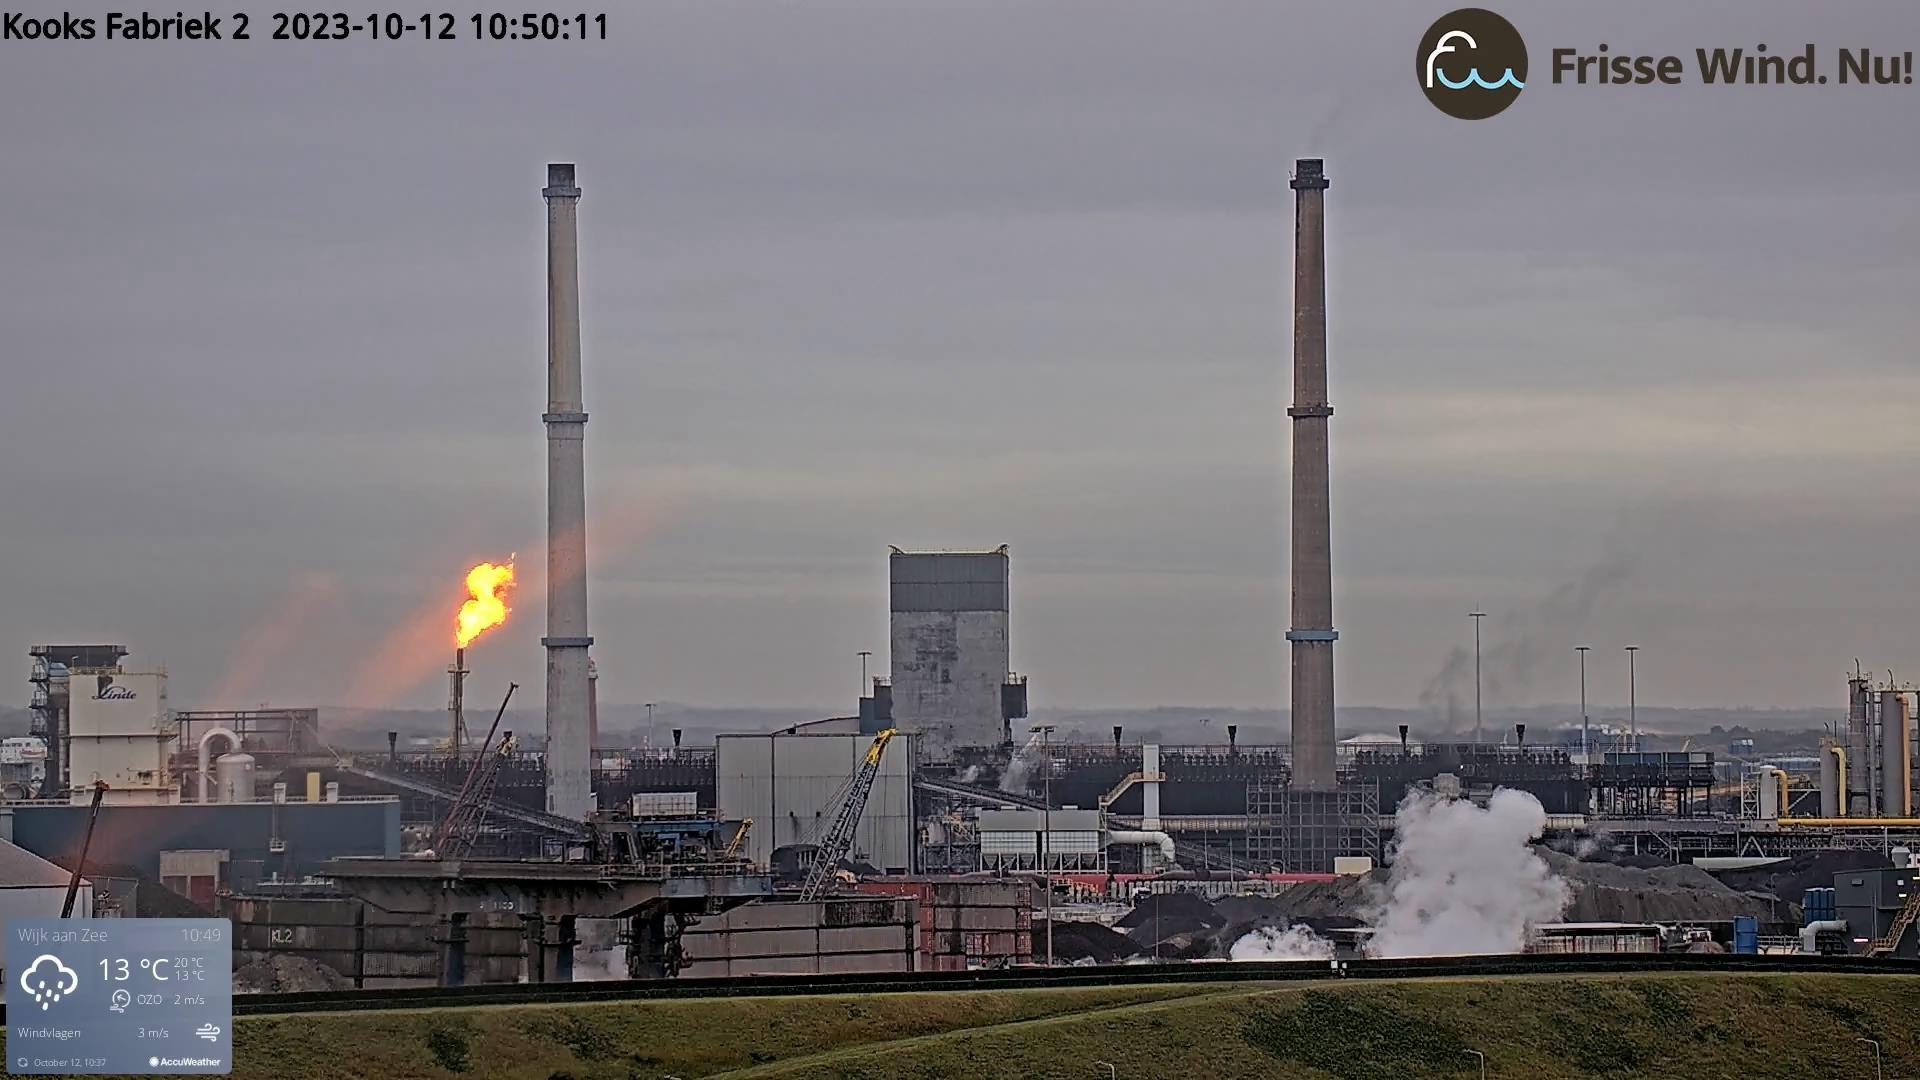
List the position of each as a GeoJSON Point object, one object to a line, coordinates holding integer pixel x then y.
{"type": "Point", "coordinates": [1891, 940]}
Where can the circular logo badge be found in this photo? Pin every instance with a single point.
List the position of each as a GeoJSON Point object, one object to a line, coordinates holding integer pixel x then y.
{"type": "Point", "coordinates": [1472, 63]}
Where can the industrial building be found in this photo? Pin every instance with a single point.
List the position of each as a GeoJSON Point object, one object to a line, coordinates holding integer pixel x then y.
{"type": "Point", "coordinates": [920, 833]}
{"type": "Point", "coordinates": [952, 681]}
{"type": "Point", "coordinates": [790, 785]}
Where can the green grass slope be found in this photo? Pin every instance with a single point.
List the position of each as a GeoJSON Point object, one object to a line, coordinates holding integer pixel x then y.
{"type": "Point", "coordinates": [1684, 1025]}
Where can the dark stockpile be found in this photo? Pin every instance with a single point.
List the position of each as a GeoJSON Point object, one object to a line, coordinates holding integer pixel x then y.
{"type": "Point", "coordinates": [1173, 925]}
{"type": "Point", "coordinates": [1790, 879]}
{"type": "Point", "coordinates": [283, 973]}
{"type": "Point", "coordinates": [1077, 941]}
{"type": "Point", "coordinates": [1671, 893]}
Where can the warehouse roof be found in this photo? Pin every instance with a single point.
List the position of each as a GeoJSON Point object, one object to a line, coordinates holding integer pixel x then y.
{"type": "Point", "coordinates": [22, 869]}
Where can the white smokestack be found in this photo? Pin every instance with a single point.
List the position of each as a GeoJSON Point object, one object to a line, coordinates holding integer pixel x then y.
{"type": "Point", "coordinates": [569, 776]}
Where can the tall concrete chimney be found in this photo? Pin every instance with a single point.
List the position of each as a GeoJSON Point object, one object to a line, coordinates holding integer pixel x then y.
{"type": "Point", "coordinates": [569, 779]}
{"type": "Point", "coordinates": [1312, 635]}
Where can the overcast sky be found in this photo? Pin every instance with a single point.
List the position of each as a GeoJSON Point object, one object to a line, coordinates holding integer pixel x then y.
{"type": "Point", "coordinates": [1621, 365]}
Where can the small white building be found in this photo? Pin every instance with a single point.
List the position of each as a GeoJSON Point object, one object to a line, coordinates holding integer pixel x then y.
{"type": "Point", "coordinates": [120, 730]}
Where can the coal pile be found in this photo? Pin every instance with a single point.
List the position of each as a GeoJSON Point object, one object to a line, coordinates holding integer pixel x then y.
{"type": "Point", "coordinates": [1173, 923]}
{"type": "Point", "coordinates": [1790, 879]}
{"type": "Point", "coordinates": [1668, 893]}
{"type": "Point", "coordinates": [1083, 941]}
{"type": "Point", "coordinates": [284, 974]}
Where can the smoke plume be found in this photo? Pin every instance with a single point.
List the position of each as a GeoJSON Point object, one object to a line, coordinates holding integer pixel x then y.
{"type": "Point", "coordinates": [1464, 880]}
{"type": "Point", "coordinates": [599, 955]}
{"type": "Point", "coordinates": [1516, 647]}
{"type": "Point", "coordinates": [1297, 942]}
{"type": "Point", "coordinates": [1020, 766]}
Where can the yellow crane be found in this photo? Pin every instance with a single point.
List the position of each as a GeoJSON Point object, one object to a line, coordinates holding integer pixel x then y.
{"type": "Point", "coordinates": [739, 837]}
{"type": "Point", "coordinates": [839, 836]}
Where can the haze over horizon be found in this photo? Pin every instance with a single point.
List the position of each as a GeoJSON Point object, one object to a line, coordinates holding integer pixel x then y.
{"type": "Point", "coordinates": [856, 275]}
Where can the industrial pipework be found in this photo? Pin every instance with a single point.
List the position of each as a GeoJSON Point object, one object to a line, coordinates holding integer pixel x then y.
{"type": "Point", "coordinates": [1145, 837]}
{"type": "Point", "coordinates": [1312, 635]}
{"type": "Point", "coordinates": [205, 748]}
{"type": "Point", "coordinates": [1895, 754]}
{"type": "Point", "coordinates": [1833, 780]}
{"type": "Point", "coordinates": [569, 765]}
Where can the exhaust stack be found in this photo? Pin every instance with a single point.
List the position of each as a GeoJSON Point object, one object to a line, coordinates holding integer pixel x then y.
{"type": "Point", "coordinates": [1312, 635]}
{"type": "Point", "coordinates": [569, 788]}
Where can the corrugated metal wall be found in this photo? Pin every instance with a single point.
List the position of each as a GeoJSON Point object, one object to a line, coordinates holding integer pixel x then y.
{"type": "Point", "coordinates": [790, 784]}
{"type": "Point", "coordinates": [948, 581]}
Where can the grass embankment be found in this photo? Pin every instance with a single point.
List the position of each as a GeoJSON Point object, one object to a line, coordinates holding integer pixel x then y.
{"type": "Point", "coordinates": [1695, 1026]}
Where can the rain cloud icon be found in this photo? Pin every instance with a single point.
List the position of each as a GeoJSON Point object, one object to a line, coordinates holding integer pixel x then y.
{"type": "Point", "coordinates": [49, 980]}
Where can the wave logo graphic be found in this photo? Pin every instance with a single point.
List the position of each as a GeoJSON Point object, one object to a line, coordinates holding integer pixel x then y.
{"type": "Point", "coordinates": [1473, 76]}
{"type": "Point", "coordinates": [1457, 48]}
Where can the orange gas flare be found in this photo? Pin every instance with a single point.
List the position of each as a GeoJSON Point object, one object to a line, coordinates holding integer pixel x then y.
{"type": "Point", "coordinates": [488, 583]}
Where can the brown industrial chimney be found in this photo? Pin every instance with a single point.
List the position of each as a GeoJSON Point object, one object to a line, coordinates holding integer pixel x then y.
{"type": "Point", "coordinates": [1312, 635]}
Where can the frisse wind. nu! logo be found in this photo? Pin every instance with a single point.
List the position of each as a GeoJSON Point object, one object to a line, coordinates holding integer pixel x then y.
{"type": "Point", "coordinates": [1472, 63]}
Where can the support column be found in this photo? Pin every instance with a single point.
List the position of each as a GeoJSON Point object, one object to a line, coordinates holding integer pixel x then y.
{"type": "Point", "coordinates": [647, 952]}
{"type": "Point", "coordinates": [559, 950]}
{"type": "Point", "coordinates": [453, 950]}
{"type": "Point", "coordinates": [533, 948]}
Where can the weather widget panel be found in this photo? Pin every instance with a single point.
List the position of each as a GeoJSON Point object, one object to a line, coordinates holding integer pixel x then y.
{"type": "Point", "coordinates": [119, 996]}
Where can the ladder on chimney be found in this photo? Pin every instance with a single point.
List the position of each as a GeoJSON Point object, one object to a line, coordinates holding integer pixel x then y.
{"type": "Point", "coordinates": [1909, 911]}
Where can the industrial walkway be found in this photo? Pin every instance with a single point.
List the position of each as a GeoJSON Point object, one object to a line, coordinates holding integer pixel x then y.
{"type": "Point", "coordinates": [1192, 856]}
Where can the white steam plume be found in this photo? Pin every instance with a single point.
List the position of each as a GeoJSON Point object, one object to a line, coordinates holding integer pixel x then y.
{"type": "Point", "coordinates": [599, 955]}
{"type": "Point", "coordinates": [1020, 766]}
{"type": "Point", "coordinates": [1297, 942]}
{"type": "Point", "coordinates": [1465, 880]}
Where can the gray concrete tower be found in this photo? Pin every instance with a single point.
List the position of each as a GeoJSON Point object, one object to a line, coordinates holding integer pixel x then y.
{"type": "Point", "coordinates": [1312, 635]}
{"type": "Point", "coordinates": [569, 777]}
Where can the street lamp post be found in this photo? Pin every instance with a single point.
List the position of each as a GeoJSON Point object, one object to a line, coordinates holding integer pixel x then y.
{"type": "Point", "coordinates": [1046, 828]}
{"type": "Point", "coordinates": [1633, 701]}
{"type": "Point", "coordinates": [1585, 752]}
{"type": "Point", "coordinates": [1476, 616]}
{"type": "Point", "coordinates": [1483, 1063]}
{"type": "Point", "coordinates": [1875, 1043]}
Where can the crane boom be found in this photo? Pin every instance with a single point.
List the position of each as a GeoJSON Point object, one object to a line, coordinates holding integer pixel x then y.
{"type": "Point", "coordinates": [73, 883]}
{"type": "Point", "coordinates": [461, 826]}
{"type": "Point", "coordinates": [839, 837]}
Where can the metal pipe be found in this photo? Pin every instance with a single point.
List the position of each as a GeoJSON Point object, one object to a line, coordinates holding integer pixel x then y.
{"type": "Point", "coordinates": [1810, 933]}
{"type": "Point", "coordinates": [1046, 830]}
{"type": "Point", "coordinates": [1633, 700]}
{"type": "Point", "coordinates": [1143, 837]}
{"type": "Point", "coordinates": [206, 741]}
{"type": "Point", "coordinates": [569, 787]}
{"type": "Point", "coordinates": [1833, 781]}
{"type": "Point", "coordinates": [1872, 822]}
{"type": "Point", "coordinates": [1150, 786]}
{"type": "Point", "coordinates": [457, 676]}
{"type": "Point", "coordinates": [1312, 635]}
{"type": "Point", "coordinates": [1586, 753]}
{"type": "Point", "coordinates": [1476, 616]}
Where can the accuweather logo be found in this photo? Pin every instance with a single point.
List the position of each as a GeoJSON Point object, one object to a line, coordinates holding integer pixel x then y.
{"type": "Point", "coordinates": [1472, 63]}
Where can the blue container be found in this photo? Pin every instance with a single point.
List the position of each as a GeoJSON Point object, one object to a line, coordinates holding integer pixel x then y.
{"type": "Point", "coordinates": [1746, 934]}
